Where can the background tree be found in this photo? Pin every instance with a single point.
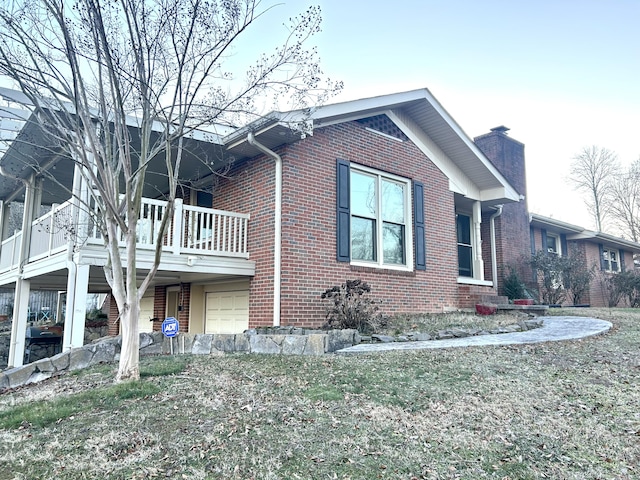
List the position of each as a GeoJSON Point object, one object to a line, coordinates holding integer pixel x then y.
{"type": "Point", "coordinates": [592, 172]}
{"type": "Point", "coordinates": [88, 67]}
{"type": "Point", "coordinates": [625, 206]}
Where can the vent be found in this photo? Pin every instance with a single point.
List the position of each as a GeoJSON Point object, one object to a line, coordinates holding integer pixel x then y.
{"type": "Point", "coordinates": [384, 125]}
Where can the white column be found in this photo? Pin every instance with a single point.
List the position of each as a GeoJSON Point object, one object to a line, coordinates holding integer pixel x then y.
{"type": "Point", "coordinates": [80, 306]}
{"type": "Point", "coordinates": [478, 264]}
{"type": "Point", "coordinates": [76, 308]}
{"type": "Point", "coordinates": [19, 323]}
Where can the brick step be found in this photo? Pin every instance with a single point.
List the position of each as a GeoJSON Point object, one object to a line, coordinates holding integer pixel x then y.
{"type": "Point", "coordinates": [493, 299]}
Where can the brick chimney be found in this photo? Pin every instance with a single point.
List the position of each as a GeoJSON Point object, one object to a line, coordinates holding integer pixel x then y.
{"type": "Point", "coordinates": [512, 227]}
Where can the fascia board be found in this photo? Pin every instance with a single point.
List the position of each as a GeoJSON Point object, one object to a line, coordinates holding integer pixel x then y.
{"type": "Point", "coordinates": [363, 106]}
{"type": "Point", "coordinates": [498, 193]}
{"type": "Point", "coordinates": [605, 239]}
{"type": "Point", "coordinates": [511, 192]}
{"type": "Point", "coordinates": [536, 219]}
{"type": "Point", "coordinates": [458, 182]}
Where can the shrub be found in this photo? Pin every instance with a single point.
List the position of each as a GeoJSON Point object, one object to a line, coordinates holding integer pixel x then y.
{"type": "Point", "coordinates": [350, 307]}
{"type": "Point", "coordinates": [551, 269]}
{"type": "Point", "coordinates": [577, 278]}
{"type": "Point", "coordinates": [512, 285]}
{"type": "Point", "coordinates": [610, 291]}
{"type": "Point", "coordinates": [628, 286]}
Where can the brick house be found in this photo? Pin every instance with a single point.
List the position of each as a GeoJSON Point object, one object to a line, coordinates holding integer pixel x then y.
{"type": "Point", "coordinates": [606, 254]}
{"type": "Point", "coordinates": [387, 189]}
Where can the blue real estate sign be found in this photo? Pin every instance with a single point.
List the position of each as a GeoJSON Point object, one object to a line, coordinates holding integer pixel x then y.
{"type": "Point", "coordinates": [170, 327]}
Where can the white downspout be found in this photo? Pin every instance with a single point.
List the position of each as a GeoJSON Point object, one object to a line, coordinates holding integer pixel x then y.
{"type": "Point", "coordinates": [277, 241]}
{"type": "Point", "coordinates": [494, 260]}
{"type": "Point", "coordinates": [71, 264]}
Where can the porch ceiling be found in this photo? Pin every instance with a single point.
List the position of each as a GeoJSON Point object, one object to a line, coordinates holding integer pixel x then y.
{"type": "Point", "coordinates": [25, 148]}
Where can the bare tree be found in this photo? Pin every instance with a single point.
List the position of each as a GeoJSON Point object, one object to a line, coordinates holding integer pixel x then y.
{"type": "Point", "coordinates": [592, 172]}
{"type": "Point", "coordinates": [625, 208]}
{"type": "Point", "coordinates": [90, 68]}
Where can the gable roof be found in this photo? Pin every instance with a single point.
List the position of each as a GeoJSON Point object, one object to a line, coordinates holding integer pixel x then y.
{"type": "Point", "coordinates": [420, 117]}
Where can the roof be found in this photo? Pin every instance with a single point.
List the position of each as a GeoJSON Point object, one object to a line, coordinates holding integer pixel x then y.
{"type": "Point", "coordinates": [418, 114]}
{"type": "Point", "coordinates": [574, 232]}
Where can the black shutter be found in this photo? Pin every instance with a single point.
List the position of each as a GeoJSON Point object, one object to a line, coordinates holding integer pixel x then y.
{"type": "Point", "coordinates": [532, 235]}
{"type": "Point", "coordinates": [603, 266]}
{"type": "Point", "coordinates": [563, 245]}
{"type": "Point", "coordinates": [621, 253]}
{"type": "Point", "coordinates": [343, 220]}
{"type": "Point", "coordinates": [544, 240]}
{"type": "Point", "coordinates": [418, 225]}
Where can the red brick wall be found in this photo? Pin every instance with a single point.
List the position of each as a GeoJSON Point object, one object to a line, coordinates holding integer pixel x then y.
{"type": "Point", "coordinates": [597, 295]}
{"type": "Point", "coordinates": [309, 233]}
{"type": "Point", "coordinates": [159, 306]}
{"type": "Point", "coordinates": [249, 188]}
{"type": "Point", "coordinates": [114, 322]}
{"type": "Point", "coordinates": [512, 226]}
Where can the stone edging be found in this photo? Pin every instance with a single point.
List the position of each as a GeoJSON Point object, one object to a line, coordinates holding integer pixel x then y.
{"type": "Point", "coordinates": [107, 350]}
{"type": "Point", "coordinates": [272, 340]}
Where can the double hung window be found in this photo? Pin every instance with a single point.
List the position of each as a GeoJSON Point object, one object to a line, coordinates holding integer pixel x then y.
{"type": "Point", "coordinates": [380, 219]}
{"type": "Point", "coordinates": [611, 260]}
{"type": "Point", "coordinates": [553, 245]}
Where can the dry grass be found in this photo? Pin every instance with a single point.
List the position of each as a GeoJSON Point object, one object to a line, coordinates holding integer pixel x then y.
{"type": "Point", "coordinates": [432, 323]}
{"type": "Point", "coordinates": [567, 410]}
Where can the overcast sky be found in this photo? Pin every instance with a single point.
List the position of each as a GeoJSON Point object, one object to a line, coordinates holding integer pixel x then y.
{"type": "Point", "coordinates": [561, 74]}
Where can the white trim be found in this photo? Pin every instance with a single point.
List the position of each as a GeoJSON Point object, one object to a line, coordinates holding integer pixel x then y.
{"type": "Point", "coordinates": [474, 281]}
{"type": "Point", "coordinates": [385, 135]}
{"type": "Point", "coordinates": [607, 263]}
{"type": "Point", "coordinates": [458, 182]}
{"type": "Point", "coordinates": [408, 223]}
{"type": "Point", "coordinates": [558, 251]}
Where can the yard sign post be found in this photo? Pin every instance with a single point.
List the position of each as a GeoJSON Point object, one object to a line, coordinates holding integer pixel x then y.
{"type": "Point", "coordinates": [170, 329]}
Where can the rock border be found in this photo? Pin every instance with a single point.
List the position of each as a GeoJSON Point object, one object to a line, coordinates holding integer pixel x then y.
{"type": "Point", "coordinates": [267, 340]}
{"type": "Point", "coordinates": [107, 350]}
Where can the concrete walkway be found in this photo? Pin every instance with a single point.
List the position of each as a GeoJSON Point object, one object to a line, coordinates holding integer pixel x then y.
{"type": "Point", "coordinates": [553, 329]}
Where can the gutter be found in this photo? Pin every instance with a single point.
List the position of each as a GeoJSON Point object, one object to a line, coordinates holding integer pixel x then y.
{"type": "Point", "coordinates": [494, 260]}
{"type": "Point", "coordinates": [277, 240]}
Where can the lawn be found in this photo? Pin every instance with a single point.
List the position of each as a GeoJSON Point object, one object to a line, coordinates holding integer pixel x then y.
{"type": "Point", "coordinates": [567, 410]}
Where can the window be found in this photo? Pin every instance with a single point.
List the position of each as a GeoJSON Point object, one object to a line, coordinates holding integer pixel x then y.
{"type": "Point", "coordinates": [610, 260]}
{"type": "Point", "coordinates": [553, 245]}
{"type": "Point", "coordinates": [379, 218]}
{"type": "Point", "coordinates": [465, 245]}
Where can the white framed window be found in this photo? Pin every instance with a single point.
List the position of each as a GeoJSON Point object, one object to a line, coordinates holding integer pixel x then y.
{"type": "Point", "coordinates": [553, 245]}
{"type": "Point", "coordinates": [611, 260]}
{"type": "Point", "coordinates": [464, 234]}
{"type": "Point", "coordinates": [380, 216]}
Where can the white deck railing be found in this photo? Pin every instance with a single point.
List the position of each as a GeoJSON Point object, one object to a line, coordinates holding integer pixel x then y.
{"type": "Point", "coordinates": [192, 230]}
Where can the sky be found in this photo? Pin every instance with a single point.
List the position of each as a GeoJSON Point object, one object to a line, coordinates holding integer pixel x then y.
{"type": "Point", "coordinates": [561, 74]}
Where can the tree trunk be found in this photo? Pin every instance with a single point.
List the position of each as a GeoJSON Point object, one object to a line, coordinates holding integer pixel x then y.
{"type": "Point", "coordinates": [129, 366]}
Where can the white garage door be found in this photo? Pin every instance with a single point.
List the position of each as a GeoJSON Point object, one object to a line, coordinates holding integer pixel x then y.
{"type": "Point", "coordinates": [227, 312]}
{"type": "Point", "coordinates": [146, 314]}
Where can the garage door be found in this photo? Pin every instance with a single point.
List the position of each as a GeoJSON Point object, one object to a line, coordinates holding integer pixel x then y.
{"type": "Point", "coordinates": [146, 314]}
{"type": "Point", "coordinates": [227, 312]}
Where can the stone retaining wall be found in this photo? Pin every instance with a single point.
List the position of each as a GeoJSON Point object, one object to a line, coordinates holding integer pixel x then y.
{"type": "Point", "coordinates": [108, 350]}
{"type": "Point", "coordinates": [37, 352]}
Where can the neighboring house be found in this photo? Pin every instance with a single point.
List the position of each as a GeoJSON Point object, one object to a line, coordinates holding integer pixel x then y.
{"type": "Point", "coordinates": [386, 189]}
{"type": "Point", "coordinates": [606, 254]}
